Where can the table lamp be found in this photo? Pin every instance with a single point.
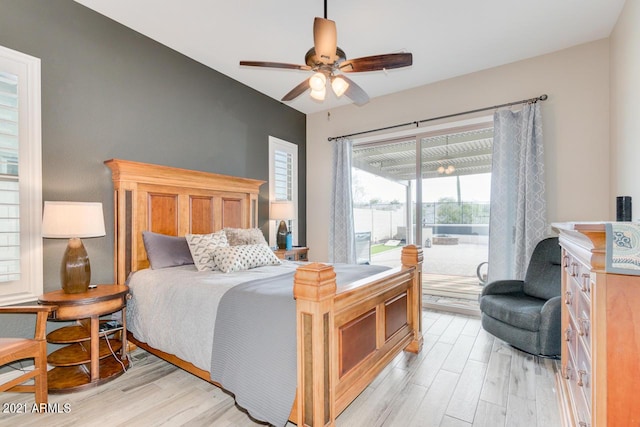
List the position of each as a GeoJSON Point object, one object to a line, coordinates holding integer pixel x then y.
{"type": "Point", "coordinates": [282, 211]}
{"type": "Point", "coordinates": [73, 221]}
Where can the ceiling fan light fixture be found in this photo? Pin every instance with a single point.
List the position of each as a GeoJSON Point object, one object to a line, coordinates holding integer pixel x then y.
{"type": "Point", "coordinates": [319, 94]}
{"type": "Point", "coordinates": [325, 59]}
{"type": "Point", "coordinates": [339, 86]}
{"type": "Point", "coordinates": [317, 82]}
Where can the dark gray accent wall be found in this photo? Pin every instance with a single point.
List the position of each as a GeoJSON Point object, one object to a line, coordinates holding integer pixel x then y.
{"type": "Point", "coordinates": [110, 92]}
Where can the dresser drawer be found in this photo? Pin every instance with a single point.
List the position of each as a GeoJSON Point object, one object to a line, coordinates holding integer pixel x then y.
{"type": "Point", "coordinates": [580, 401]}
{"type": "Point", "coordinates": [570, 335]}
{"type": "Point", "coordinates": [580, 275]}
{"type": "Point", "coordinates": [583, 327]}
{"type": "Point", "coordinates": [571, 297]}
{"type": "Point", "coordinates": [577, 298]}
{"type": "Point", "coordinates": [583, 375]}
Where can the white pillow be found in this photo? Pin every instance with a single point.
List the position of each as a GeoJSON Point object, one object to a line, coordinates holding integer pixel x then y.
{"type": "Point", "coordinates": [243, 257]}
{"type": "Point", "coordinates": [202, 247]}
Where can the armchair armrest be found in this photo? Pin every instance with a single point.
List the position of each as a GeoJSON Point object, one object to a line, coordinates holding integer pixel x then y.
{"type": "Point", "coordinates": [503, 287]}
{"type": "Point", "coordinates": [41, 311]}
{"type": "Point", "coordinates": [550, 334]}
{"type": "Point", "coordinates": [28, 308]}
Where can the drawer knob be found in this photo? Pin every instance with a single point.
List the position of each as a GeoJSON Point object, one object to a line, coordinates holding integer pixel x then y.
{"type": "Point", "coordinates": [574, 269]}
{"type": "Point", "coordinates": [586, 278]}
{"type": "Point", "coordinates": [567, 297]}
{"type": "Point", "coordinates": [567, 334]}
{"type": "Point", "coordinates": [581, 373]}
{"type": "Point", "coordinates": [584, 326]}
{"type": "Point", "coordinates": [565, 373]}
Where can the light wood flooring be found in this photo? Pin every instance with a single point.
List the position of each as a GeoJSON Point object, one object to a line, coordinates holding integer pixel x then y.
{"type": "Point", "coordinates": [463, 377]}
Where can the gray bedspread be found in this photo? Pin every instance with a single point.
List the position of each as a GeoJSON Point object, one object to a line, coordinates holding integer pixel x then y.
{"type": "Point", "coordinates": [254, 343]}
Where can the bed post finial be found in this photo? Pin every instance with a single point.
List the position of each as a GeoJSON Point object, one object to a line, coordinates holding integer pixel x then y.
{"type": "Point", "coordinates": [314, 289]}
{"type": "Point", "coordinates": [412, 257]}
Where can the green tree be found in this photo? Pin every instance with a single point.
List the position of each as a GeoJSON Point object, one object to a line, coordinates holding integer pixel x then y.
{"type": "Point", "coordinates": [451, 212]}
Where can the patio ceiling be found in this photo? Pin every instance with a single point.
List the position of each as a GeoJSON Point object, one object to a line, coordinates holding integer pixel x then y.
{"type": "Point", "coordinates": [468, 151]}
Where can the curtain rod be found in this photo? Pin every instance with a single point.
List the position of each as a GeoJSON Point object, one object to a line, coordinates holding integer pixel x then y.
{"type": "Point", "coordinates": [543, 97]}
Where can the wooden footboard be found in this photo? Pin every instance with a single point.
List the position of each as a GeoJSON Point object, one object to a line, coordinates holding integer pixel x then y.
{"type": "Point", "coordinates": [346, 337]}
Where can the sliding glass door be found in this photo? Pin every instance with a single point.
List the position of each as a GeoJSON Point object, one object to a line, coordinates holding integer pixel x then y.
{"type": "Point", "coordinates": [438, 199]}
{"type": "Point", "coordinates": [384, 195]}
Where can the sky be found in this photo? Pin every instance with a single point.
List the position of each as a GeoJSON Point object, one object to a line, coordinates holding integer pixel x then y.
{"type": "Point", "coordinates": [473, 188]}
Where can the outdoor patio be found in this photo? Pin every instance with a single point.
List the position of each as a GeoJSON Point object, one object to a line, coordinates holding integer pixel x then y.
{"type": "Point", "coordinates": [449, 280]}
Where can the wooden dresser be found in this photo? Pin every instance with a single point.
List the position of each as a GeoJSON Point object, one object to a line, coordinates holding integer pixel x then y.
{"type": "Point", "coordinates": [599, 382]}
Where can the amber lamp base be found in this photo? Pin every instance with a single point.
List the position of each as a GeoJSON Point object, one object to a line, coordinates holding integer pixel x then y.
{"type": "Point", "coordinates": [75, 271]}
{"type": "Point", "coordinates": [281, 236]}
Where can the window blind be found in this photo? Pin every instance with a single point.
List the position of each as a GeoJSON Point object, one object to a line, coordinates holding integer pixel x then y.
{"type": "Point", "coordinates": [283, 168]}
{"type": "Point", "coordinates": [9, 179]}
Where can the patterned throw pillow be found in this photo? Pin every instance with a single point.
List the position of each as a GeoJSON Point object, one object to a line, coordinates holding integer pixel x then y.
{"type": "Point", "coordinates": [202, 247]}
{"type": "Point", "coordinates": [245, 236]}
{"type": "Point", "coordinates": [243, 257]}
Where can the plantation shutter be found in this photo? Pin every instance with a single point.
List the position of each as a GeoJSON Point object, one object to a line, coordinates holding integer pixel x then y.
{"type": "Point", "coordinates": [9, 179]}
{"type": "Point", "coordinates": [283, 164]}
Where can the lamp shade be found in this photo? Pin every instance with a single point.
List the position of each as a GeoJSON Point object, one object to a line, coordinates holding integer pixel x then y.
{"type": "Point", "coordinates": [317, 81]}
{"type": "Point", "coordinates": [65, 220]}
{"type": "Point", "coordinates": [282, 210]}
{"type": "Point", "coordinates": [339, 86]}
{"type": "Point", "coordinates": [318, 94]}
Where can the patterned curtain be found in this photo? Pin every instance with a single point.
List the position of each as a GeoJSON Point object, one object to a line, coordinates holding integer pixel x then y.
{"type": "Point", "coordinates": [342, 241]}
{"type": "Point", "coordinates": [518, 210]}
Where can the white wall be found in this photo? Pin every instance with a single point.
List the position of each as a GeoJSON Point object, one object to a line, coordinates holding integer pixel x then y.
{"type": "Point", "coordinates": [575, 126]}
{"type": "Point", "coordinates": [625, 106]}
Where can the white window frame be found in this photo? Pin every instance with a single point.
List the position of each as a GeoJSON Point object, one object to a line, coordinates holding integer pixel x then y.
{"type": "Point", "coordinates": [30, 285]}
{"type": "Point", "coordinates": [290, 148]}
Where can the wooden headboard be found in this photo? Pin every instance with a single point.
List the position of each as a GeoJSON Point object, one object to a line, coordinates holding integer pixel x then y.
{"type": "Point", "coordinates": [176, 202]}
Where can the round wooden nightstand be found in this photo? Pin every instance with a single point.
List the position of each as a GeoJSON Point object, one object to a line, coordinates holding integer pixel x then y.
{"type": "Point", "coordinates": [94, 354]}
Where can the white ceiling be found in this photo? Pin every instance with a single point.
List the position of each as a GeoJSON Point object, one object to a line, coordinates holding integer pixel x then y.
{"type": "Point", "coordinates": [446, 37]}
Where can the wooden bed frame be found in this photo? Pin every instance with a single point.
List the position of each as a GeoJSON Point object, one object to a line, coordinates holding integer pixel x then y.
{"type": "Point", "coordinates": [345, 337]}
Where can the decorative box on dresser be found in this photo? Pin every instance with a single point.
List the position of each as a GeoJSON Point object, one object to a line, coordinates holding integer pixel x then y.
{"type": "Point", "coordinates": [599, 379]}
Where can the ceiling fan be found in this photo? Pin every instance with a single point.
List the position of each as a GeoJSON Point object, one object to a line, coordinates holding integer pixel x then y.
{"type": "Point", "coordinates": [329, 62]}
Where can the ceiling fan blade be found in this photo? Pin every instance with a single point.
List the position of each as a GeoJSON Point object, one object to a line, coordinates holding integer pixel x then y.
{"type": "Point", "coordinates": [377, 62]}
{"type": "Point", "coordinates": [355, 92]}
{"type": "Point", "coordinates": [325, 40]}
{"type": "Point", "coordinates": [297, 91]}
{"type": "Point", "coordinates": [275, 65]}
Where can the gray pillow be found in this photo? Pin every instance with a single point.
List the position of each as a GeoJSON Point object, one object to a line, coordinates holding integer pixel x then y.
{"type": "Point", "coordinates": [166, 251]}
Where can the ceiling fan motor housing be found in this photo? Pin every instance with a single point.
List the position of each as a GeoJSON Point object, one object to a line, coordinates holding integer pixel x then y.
{"type": "Point", "coordinates": [312, 60]}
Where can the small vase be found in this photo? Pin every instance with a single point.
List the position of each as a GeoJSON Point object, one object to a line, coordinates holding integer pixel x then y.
{"type": "Point", "coordinates": [289, 241]}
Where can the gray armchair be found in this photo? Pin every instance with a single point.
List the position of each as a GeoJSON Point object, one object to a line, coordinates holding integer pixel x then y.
{"type": "Point", "coordinates": [526, 313]}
